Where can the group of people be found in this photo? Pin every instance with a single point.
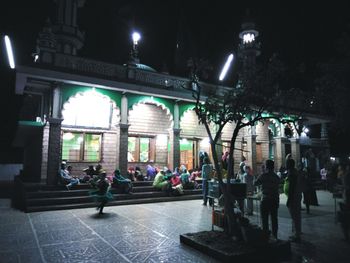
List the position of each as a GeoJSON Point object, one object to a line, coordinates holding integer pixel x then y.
{"type": "Point", "coordinates": [98, 179]}
{"type": "Point", "coordinates": [269, 184]}
{"type": "Point", "coordinates": [174, 182]}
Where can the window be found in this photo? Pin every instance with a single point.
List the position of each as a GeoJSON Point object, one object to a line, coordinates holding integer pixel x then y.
{"type": "Point", "coordinates": [81, 147]}
{"type": "Point", "coordinates": [141, 149]}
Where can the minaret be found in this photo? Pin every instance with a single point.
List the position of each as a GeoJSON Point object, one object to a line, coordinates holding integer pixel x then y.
{"type": "Point", "coordinates": [249, 47]}
{"type": "Point", "coordinates": [69, 38]}
{"type": "Point", "coordinates": [45, 44]}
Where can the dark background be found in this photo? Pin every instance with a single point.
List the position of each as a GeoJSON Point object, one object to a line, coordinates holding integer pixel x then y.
{"type": "Point", "coordinates": [301, 32]}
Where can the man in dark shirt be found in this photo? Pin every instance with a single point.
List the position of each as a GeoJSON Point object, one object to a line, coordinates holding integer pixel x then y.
{"type": "Point", "coordinates": [269, 183]}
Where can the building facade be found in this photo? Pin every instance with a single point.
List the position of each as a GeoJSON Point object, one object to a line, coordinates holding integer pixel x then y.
{"type": "Point", "coordinates": [88, 112]}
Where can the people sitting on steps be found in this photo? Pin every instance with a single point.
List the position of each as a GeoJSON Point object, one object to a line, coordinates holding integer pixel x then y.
{"type": "Point", "coordinates": [89, 173]}
{"type": "Point", "coordinates": [65, 176]}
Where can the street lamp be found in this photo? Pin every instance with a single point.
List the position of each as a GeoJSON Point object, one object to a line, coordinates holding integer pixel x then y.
{"type": "Point", "coordinates": [134, 52]}
{"type": "Point", "coordinates": [9, 52]}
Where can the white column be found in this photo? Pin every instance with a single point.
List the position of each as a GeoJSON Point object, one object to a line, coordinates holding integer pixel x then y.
{"type": "Point", "coordinates": [56, 102]}
{"type": "Point", "coordinates": [124, 110]}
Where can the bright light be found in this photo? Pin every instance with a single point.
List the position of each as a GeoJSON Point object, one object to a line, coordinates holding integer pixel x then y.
{"type": "Point", "coordinates": [205, 142]}
{"type": "Point", "coordinates": [162, 139]}
{"type": "Point", "coordinates": [68, 136]}
{"type": "Point", "coordinates": [9, 52]}
{"type": "Point", "coordinates": [36, 57]}
{"type": "Point", "coordinates": [248, 38]}
{"type": "Point", "coordinates": [226, 67]}
{"type": "Point", "coordinates": [306, 130]}
{"type": "Point", "coordinates": [184, 141]}
{"type": "Point", "coordinates": [136, 37]}
{"type": "Point", "coordinates": [332, 158]}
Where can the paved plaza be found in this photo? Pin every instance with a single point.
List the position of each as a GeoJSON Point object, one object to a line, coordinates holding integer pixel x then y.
{"type": "Point", "coordinates": [148, 233]}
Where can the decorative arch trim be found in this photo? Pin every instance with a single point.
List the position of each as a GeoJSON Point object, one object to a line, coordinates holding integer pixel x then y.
{"type": "Point", "coordinates": [183, 107]}
{"type": "Point", "coordinates": [71, 90]}
{"type": "Point", "coordinates": [136, 99]}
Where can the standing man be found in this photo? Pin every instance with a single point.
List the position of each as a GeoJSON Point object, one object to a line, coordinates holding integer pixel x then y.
{"type": "Point", "coordinates": [294, 199]}
{"type": "Point", "coordinates": [206, 171]}
{"type": "Point", "coordinates": [269, 182]}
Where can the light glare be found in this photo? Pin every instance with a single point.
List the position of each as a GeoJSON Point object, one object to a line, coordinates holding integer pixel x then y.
{"type": "Point", "coordinates": [136, 37]}
{"type": "Point", "coordinates": [9, 52]}
{"type": "Point", "coordinates": [248, 38]}
{"type": "Point", "coordinates": [226, 67]}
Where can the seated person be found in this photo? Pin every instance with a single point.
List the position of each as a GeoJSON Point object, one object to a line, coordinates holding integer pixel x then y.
{"type": "Point", "coordinates": [120, 181]}
{"type": "Point", "coordinates": [151, 172]}
{"type": "Point", "coordinates": [194, 175]}
{"type": "Point", "coordinates": [176, 184]}
{"type": "Point", "coordinates": [89, 173]}
{"type": "Point", "coordinates": [168, 174]}
{"type": "Point", "coordinates": [131, 173]}
{"type": "Point", "coordinates": [185, 180]}
{"type": "Point", "coordinates": [99, 169]}
{"type": "Point", "coordinates": [66, 177]}
{"type": "Point", "coordinates": [138, 174]}
{"type": "Point", "coordinates": [160, 183]}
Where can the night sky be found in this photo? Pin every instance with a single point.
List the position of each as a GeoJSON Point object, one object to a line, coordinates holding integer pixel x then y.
{"type": "Point", "coordinates": [299, 32]}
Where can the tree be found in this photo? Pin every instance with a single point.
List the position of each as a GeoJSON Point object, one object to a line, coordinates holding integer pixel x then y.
{"type": "Point", "coordinates": [260, 93]}
{"type": "Point", "coordinates": [332, 84]}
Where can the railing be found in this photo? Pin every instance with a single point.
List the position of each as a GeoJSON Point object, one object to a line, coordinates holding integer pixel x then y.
{"type": "Point", "coordinates": [128, 73]}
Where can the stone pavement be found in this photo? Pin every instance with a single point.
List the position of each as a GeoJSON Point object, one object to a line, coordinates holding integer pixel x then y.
{"type": "Point", "coordinates": [148, 233]}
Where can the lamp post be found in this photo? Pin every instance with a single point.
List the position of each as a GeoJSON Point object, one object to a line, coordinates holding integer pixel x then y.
{"type": "Point", "coordinates": [134, 52]}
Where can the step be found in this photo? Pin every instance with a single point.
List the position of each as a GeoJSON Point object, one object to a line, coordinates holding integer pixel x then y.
{"type": "Point", "coordinates": [112, 203]}
{"type": "Point", "coordinates": [87, 198]}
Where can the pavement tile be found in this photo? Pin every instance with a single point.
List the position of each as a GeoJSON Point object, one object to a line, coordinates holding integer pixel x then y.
{"type": "Point", "coordinates": [83, 251]}
{"type": "Point", "coordinates": [150, 233]}
{"type": "Point", "coordinates": [30, 255]}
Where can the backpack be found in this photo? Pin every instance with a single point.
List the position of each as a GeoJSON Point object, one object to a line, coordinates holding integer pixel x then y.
{"type": "Point", "coordinates": [286, 186]}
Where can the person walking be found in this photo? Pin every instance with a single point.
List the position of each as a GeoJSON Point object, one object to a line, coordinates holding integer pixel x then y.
{"type": "Point", "coordinates": [248, 179]}
{"type": "Point", "coordinates": [269, 182]}
{"type": "Point", "coordinates": [294, 199]}
{"type": "Point", "coordinates": [206, 172]}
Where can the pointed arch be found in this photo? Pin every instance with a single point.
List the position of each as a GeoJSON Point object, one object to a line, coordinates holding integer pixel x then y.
{"type": "Point", "coordinates": [90, 109]}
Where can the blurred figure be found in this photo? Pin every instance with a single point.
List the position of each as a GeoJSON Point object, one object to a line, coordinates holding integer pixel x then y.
{"type": "Point", "coordinates": [102, 193]}
{"type": "Point", "coordinates": [294, 199]}
{"type": "Point", "coordinates": [248, 179]}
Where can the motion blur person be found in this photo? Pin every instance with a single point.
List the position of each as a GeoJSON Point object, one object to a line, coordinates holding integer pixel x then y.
{"type": "Point", "coordinates": [294, 199]}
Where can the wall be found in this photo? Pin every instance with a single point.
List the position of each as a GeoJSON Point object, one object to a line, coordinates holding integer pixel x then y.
{"type": "Point", "coordinates": [152, 120]}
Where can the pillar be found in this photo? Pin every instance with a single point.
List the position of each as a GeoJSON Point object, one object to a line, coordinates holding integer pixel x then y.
{"type": "Point", "coordinates": [123, 148]}
{"type": "Point", "coordinates": [174, 139]}
{"type": "Point", "coordinates": [295, 147]}
{"type": "Point", "coordinates": [251, 147]}
{"type": "Point", "coordinates": [279, 152]}
{"type": "Point", "coordinates": [54, 151]}
{"type": "Point", "coordinates": [174, 155]}
{"type": "Point", "coordinates": [122, 155]}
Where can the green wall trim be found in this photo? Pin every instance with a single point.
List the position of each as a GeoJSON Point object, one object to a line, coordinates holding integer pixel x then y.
{"type": "Point", "coordinates": [31, 123]}
{"type": "Point", "coordinates": [70, 90]}
{"type": "Point", "coordinates": [135, 99]}
{"type": "Point", "coordinates": [185, 106]}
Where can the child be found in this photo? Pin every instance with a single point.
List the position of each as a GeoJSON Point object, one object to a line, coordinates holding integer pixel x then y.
{"type": "Point", "coordinates": [102, 193]}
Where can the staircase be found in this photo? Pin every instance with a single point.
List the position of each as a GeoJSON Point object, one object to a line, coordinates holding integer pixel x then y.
{"type": "Point", "coordinates": [37, 197]}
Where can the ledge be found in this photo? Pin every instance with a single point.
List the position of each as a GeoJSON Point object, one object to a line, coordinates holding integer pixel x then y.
{"type": "Point", "coordinates": [217, 245]}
